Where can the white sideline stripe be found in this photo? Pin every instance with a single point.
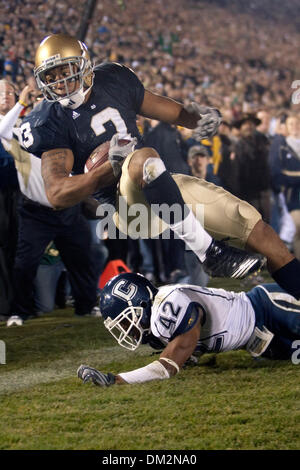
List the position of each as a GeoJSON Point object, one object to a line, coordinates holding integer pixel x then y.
{"type": "Point", "coordinates": [41, 373]}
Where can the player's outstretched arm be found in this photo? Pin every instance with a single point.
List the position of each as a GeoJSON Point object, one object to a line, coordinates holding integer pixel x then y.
{"type": "Point", "coordinates": [172, 358]}
{"type": "Point", "coordinates": [203, 119]}
{"type": "Point", "coordinates": [182, 346]}
{"type": "Point", "coordinates": [63, 191]}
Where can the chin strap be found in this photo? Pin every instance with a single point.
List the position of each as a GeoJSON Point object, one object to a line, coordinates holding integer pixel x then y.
{"type": "Point", "coordinates": [76, 100]}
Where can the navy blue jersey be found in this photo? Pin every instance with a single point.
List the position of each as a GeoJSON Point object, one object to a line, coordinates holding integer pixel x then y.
{"type": "Point", "coordinates": [115, 100]}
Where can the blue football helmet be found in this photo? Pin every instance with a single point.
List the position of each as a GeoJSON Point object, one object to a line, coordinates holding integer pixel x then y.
{"type": "Point", "coordinates": [125, 305]}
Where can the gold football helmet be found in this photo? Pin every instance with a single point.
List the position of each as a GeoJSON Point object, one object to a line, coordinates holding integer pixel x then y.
{"type": "Point", "coordinates": [63, 70]}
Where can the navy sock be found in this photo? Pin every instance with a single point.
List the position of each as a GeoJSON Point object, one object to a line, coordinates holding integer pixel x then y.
{"type": "Point", "coordinates": [164, 190]}
{"type": "Point", "coordinates": [288, 277]}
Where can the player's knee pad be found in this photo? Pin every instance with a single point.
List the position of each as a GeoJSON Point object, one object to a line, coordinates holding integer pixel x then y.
{"type": "Point", "coordinates": [248, 217]}
{"type": "Point", "coordinates": [246, 211]}
{"type": "Point", "coordinates": [152, 169]}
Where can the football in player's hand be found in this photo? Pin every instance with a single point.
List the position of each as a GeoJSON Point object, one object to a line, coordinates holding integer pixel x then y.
{"type": "Point", "coordinates": [100, 155]}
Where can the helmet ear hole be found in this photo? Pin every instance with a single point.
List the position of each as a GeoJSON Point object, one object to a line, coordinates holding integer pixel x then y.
{"type": "Point", "coordinates": [144, 304]}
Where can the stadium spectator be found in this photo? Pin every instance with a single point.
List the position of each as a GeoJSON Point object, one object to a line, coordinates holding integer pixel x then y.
{"type": "Point", "coordinates": [9, 191]}
{"type": "Point", "coordinates": [264, 116]}
{"type": "Point", "coordinates": [46, 281]}
{"type": "Point", "coordinates": [278, 128]}
{"type": "Point", "coordinates": [285, 167]}
{"type": "Point", "coordinates": [11, 65]}
{"type": "Point", "coordinates": [228, 167]}
{"type": "Point", "coordinates": [199, 160]}
{"type": "Point", "coordinates": [252, 152]}
{"type": "Point", "coordinates": [206, 40]}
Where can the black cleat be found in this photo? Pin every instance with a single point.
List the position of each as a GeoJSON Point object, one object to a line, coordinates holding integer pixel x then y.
{"type": "Point", "coordinates": [225, 261]}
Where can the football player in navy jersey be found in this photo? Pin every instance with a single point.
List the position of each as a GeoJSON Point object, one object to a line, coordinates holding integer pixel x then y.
{"type": "Point", "coordinates": [184, 320]}
{"type": "Point", "coordinates": [87, 106]}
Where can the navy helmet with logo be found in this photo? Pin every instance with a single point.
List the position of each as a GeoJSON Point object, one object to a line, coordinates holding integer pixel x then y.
{"type": "Point", "coordinates": [125, 305]}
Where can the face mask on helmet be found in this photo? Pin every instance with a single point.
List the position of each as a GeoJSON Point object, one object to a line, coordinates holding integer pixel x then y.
{"type": "Point", "coordinates": [125, 305]}
{"type": "Point", "coordinates": [63, 70]}
{"type": "Point", "coordinates": [126, 328]}
{"type": "Point", "coordinates": [65, 83]}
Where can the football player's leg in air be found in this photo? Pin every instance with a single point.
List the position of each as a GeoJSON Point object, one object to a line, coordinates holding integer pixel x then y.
{"type": "Point", "coordinates": [224, 215]}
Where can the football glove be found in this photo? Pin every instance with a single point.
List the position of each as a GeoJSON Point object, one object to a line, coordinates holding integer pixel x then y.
{"type": "Point", "coordinates": [209, 123]}
{"type": "Point", "coordinates": [89, 374]}
{"type": "Point", "coordinates": [117, 153]}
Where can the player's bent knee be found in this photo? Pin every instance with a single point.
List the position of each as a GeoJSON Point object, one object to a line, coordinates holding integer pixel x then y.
{"type": "Point", "coordinates": [152, 169]}
{"type": "Point", "coordinates": [250, 218]}
{"type": "Point", "coordinates": [138, 160]}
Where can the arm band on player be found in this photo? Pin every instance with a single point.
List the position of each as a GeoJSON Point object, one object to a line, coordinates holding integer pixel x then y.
{"type": "Point", "coordinates": [153, 371]}
{"type": "Point", "coordinates": [22, 103]}
{"type": "Point", "coordinates": [8, 122]}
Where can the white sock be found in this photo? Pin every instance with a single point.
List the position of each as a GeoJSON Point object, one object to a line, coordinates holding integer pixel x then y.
{"type": "Point", "coordinates": [193, 234]}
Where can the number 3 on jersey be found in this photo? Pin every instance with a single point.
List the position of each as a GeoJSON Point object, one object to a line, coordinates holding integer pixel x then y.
{"type": "Point", "coordinates": [26, 135]}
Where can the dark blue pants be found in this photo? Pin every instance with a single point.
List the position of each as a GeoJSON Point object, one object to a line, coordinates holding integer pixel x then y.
{"type": "Point", "coordinates": [38, 225]}
{"type": "Point", "coordinates": [8, 242]}
{"type": "Point", "coordinates": [280, 313]}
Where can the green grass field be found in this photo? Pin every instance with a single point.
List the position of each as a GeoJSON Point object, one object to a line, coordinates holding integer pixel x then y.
{"type": "Point", "coordinates": [228, 401]}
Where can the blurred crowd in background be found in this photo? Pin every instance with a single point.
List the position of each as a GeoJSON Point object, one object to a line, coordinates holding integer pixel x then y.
{"type": "Point", "coordinates": [237, 56]}
{"type": "Point", "coordinates": [234, 59]}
